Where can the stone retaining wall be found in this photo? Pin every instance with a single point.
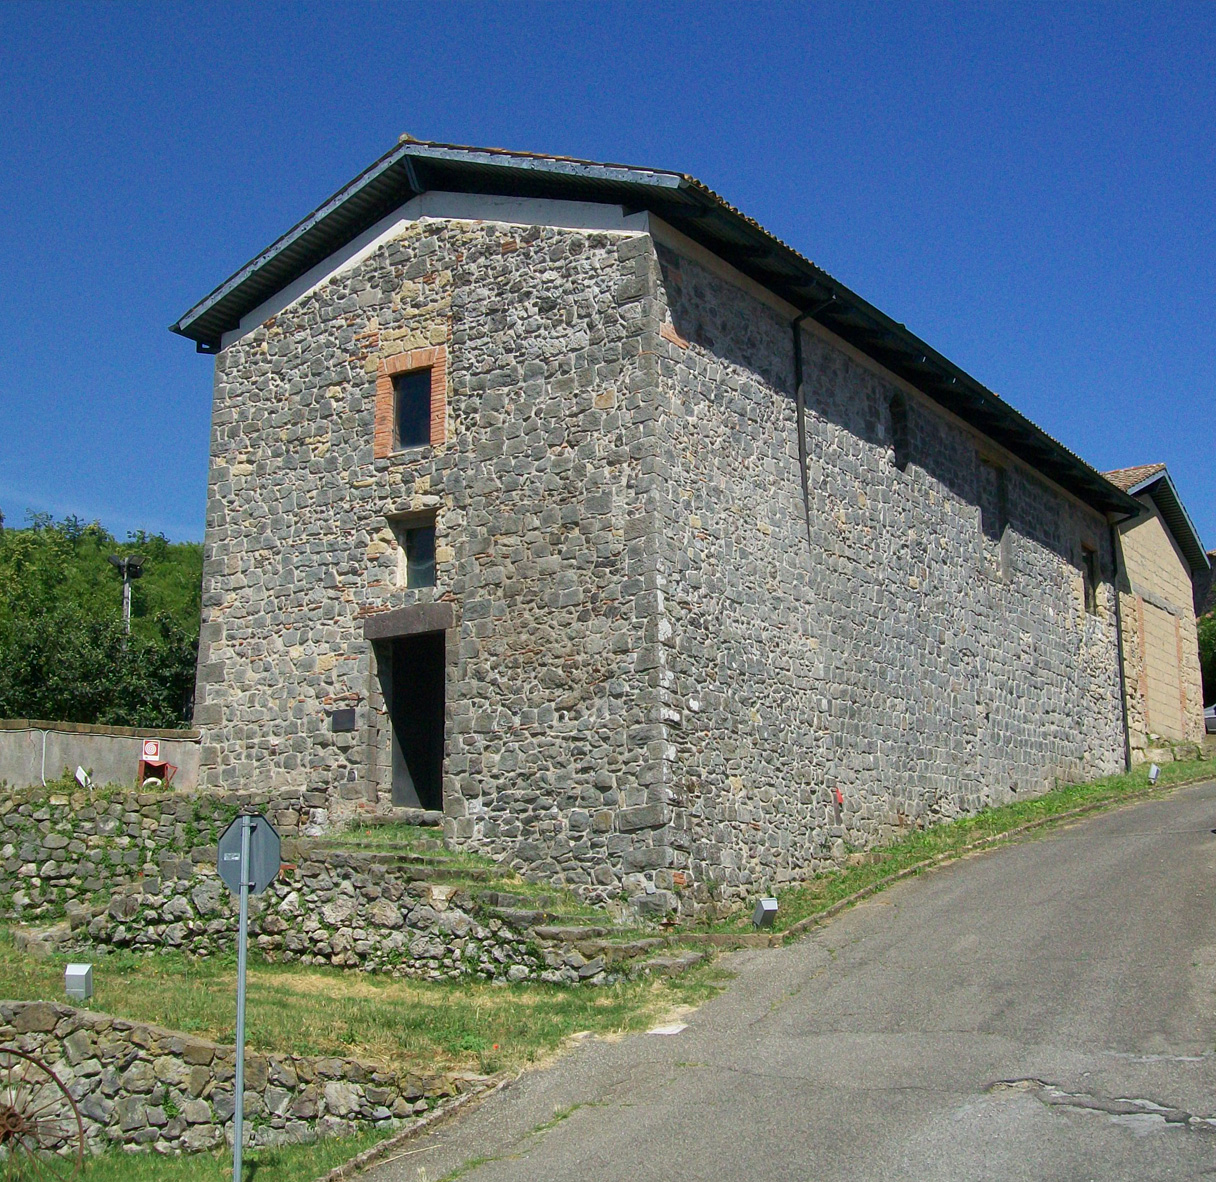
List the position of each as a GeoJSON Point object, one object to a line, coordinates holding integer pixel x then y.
{"type": "Point", "coordinates": [144, 1087]}
{"type": "Point", "coordinates": [61, 847]}
{"type": "Point", "coordinates": [346, 913]}
{"type": "Point", "coordinates": [137, 870]}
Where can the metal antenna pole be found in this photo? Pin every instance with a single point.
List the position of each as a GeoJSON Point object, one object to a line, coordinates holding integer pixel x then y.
{"type": "Point", "coordinates": [238, 1115]}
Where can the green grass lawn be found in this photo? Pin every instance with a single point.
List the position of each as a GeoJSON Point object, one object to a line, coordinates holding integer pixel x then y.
{"type": "Point", "coordinates": [291, 1163]}
{"type": "Point", "coordinates": [802, 900]}
{"type": "Point", "coordinates": [419, 1025]}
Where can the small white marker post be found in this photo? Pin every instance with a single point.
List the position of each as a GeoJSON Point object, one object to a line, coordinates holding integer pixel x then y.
{"type": "Point", "coordinates": [248, 859]}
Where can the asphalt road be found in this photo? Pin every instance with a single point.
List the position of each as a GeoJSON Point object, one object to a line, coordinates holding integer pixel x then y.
{"type": "Point", "coordinates": [1042, 1011]}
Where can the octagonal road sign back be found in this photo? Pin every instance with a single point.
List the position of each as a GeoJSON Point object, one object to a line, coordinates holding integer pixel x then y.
{"type": "Point", "coordinates": [264, 854]}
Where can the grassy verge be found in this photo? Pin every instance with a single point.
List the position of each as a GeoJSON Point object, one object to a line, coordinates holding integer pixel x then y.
{"type": "Point", "coordinates": [806, 899]}
{"type": "Point", "coordinates": [290, 1163]}
{"type": "Point", "coordinates": [418, 1025]}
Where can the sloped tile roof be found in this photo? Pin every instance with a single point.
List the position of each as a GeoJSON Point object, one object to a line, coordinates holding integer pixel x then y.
{"type": "Point", "coordinates": [1155, 480]}
{"type": "Point", "coordinates": [1126, 478]}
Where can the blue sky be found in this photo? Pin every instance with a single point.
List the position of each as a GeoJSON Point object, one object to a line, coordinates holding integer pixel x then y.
{"type": "Point", "coordinates": [1029, 188]}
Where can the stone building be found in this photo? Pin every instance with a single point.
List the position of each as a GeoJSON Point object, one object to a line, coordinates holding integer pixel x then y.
{"type": "Point", "coordinates": [1164, 571]}
{"type": "Point", "coordinates": [564, 497]}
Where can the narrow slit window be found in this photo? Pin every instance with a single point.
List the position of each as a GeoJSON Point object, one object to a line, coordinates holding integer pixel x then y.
{"type": "Point", "coordinates": [994, 516]}
{"type": "Point", "coordinates": [1089, 573]}
{"type": "Point", "coordinates": [420, 556]}
{"type": "Point", "coordinates": [412, 408]}
{"type": "Point", "coordinates": [994, 519]}
{"type": "Point", "coordinates": [899, 432]}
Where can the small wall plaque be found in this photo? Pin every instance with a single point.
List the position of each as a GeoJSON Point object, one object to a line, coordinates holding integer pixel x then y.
{"type": "Point", "coordinates": [342, 720]}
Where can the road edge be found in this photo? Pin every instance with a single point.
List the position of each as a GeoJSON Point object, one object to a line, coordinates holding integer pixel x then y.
{"type": "Point", "coordinates": [1136, 796]}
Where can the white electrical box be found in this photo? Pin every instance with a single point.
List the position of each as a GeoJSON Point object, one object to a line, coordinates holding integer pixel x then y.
{"type": "Point", "coordinates": [78, 981]}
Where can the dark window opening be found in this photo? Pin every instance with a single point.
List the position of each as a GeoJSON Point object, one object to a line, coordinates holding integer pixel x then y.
{"type": "Point", "coordinates": [416, 545]}
{"type": "Point", "coordinates": [412, 408]}
{"type": "Point", "coordinates": [420, 557]}
{"type": "Point", "coordinates": [993, 511]}
{"type": "Point", "coordinates": [899, 432]}
{"type": "Point", "coordinates": [1089, 574]}
{"type": "Point", "coordinates": [411, 670]}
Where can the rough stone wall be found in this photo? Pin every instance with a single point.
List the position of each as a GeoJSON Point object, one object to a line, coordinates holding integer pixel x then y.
{"type": "Point", "coordinates": [904, 657]}
{"type": "Point", "coordinates": [1158, 579]}
{"type": "Point", "coordinates": [549, 443]}
{"type": "Point", "coordinates": [143, 1087]}
{"type": "Point", "coordinates": [655, 683]}
{"type": "Point", "coordinates": [345, 911]}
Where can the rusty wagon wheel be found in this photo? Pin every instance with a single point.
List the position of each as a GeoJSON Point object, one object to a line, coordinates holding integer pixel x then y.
{"type": "Point", "coordinates": [41, 1133]}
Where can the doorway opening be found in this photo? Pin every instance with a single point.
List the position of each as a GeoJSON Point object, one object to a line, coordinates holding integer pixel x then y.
{"type": "Point", "coordinates": [412, 681]}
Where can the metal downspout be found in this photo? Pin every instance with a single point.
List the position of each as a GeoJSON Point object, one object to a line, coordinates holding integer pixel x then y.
{"type": "Point", "coordinates": [1127, 733]}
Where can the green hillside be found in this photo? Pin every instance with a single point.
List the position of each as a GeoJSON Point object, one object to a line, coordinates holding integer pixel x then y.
{"type": "Point", "coordinates": [63, 654]}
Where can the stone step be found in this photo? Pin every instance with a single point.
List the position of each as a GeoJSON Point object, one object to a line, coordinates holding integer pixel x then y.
{"type": "Point", "coordinates": [522, 902]}
{"type": "Point", "coordinates": [421, 868]}
{"type": "Point", "coordinates": [615, 951]}
{"type": "Point", "coordinates": [415, 873]}
{"type": "Point", "coordinates": [423, 818]}
{"type": "Point", "coordinates": [568, 933]}
{"type": "Point", "coordinates": [43, 942]}
{"type": "Point", "coordinates": [672, 964]}
{"type": "Point", "coordinates": [382, 857]}
{"type": "Point", "coordinates": [519, 917]}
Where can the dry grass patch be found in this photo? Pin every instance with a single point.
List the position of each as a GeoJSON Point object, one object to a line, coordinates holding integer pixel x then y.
{"type": "Point", "coordinates": [417, 1025]}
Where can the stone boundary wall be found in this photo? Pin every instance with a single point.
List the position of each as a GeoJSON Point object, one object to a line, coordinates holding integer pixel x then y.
{"type": "Point", "coordinates": [143, 1087]}
{"type": "Point", "coordinates": [30, 748]}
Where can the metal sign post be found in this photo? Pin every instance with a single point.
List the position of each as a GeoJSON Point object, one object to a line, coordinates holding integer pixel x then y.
{"type": "Point", "coordinates": [249, 858]}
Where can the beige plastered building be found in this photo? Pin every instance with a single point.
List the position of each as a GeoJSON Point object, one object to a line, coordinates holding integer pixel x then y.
{"type": "Point", "coordinates": [1161, 562]}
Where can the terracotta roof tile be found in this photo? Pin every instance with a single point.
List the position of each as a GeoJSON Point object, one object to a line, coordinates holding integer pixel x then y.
{"type": "Point", "coordinates": [1126, 478]}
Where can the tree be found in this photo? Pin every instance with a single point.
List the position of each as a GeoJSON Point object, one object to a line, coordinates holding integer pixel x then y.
{"type": "Point", "coordinates": [63, 652]}
{"type": "Point", "coordinates": [1207, 656]}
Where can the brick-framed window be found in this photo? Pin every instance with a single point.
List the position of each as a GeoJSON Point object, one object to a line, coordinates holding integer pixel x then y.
{"type": "Point", "coordinates": [395, 383]}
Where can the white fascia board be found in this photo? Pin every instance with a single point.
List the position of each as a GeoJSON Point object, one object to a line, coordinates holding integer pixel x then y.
{"type": "Point", "coordinates": [464, 207]}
